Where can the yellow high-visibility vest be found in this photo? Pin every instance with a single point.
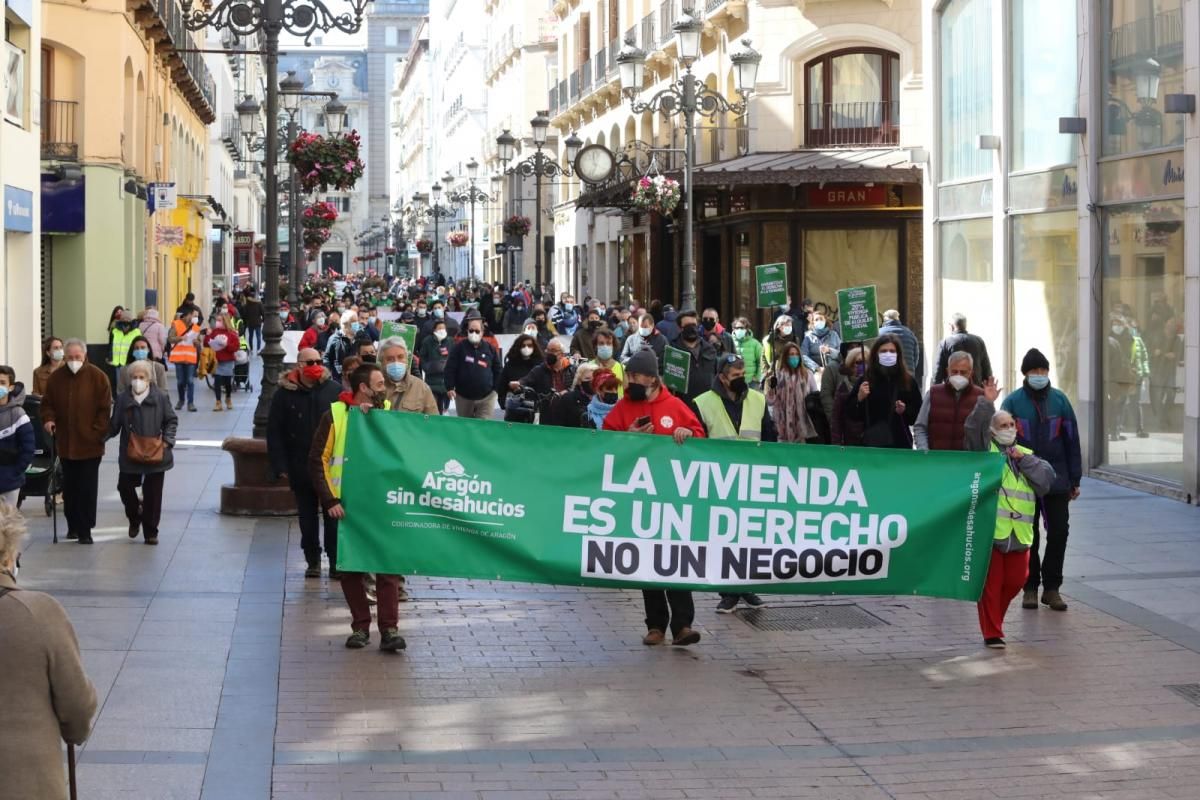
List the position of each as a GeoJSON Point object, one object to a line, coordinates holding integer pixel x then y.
{"type": "Point", "coordinates": [333, 467]}
{"type": "Point", "coordinates": [1018, 504]}
{"type": "Point", "coordinates": [720, 426]}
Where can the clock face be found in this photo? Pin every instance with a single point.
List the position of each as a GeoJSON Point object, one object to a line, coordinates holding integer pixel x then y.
{"type": "Point", "coordinates": [594, 163]}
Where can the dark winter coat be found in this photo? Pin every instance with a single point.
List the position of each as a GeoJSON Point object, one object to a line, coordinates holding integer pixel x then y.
{"type": "Point", "coordinates": [16, 440]}
{"type": "Point", "coordinates": [252, 313]}
{"type": "Point", "coordinates": [879, 407]}
{"type": "Point", "coordinates": [433, 355]}
{"type": "Point", "coordinates": [966, 343]}
{"type": "Point", "coordinates": [152, 417]}
{"type": "Point", "coordinates": [296, 410]}
{"type": "Point", "coordinates": [515, 369]}
{"type": "Point", "coordinates": [79, 403]}
{"type": "Point", "coordinates": [703, 369]}
{"type": "Point", "coordinates": [1046, 424]}
{"type": "Point", "coordinates": [472, 370]}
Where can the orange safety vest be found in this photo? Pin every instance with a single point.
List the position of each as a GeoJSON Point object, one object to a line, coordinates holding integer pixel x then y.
{"type": "Point", "coordinates": [182, 352]}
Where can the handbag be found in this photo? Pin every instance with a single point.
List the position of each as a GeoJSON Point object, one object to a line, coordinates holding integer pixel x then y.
{"type": "Point", "coordinates": [143, 449]}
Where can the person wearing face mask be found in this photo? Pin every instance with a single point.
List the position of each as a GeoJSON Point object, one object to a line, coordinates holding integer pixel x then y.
{"type": "Point", "coordinates": [434, 352]}
{"type": "Point", "coordinates": [714, 332]}
{"type": "Point", "coordinates": [224, 343]}
{"type": "Point", "coordinates": [472, 370]}
{"type": "Point", "coordinates": [1046, 424]}
{"type": "Point", "coordinates": [341, 343]}
{"type": "Point", "coordinates": [606, 392]}
{"type": "Point", "coordinates": [52, 359]}
{"type": "Point", "coordinates": [944, 411]}
{"type": "Point", "coordinates": [788, 390]}
{"type": "Point", "coordinates": [141, 350]}
{"type": "Point", "coordinates": [121, 337]}
{"type": "Point", "coordinates": [645, 336]}
{"type": "Point", "coordinates": [821, 344]}
{"type": "Point", "coordinates": [143, 410]}
{"type": "Point", "coordinates": [367, 388]}
{"type": "Point", "coordinates": [886, 399]}
{"type": "Point", "coordinates": [703, 353]}
{"type": "Point", "coordinates": [569, 409]}
{"type": "Point", "coordinates": [519, 361]}
{"type": "Point", "coordinates": [783, 331]}
{"type": "Point", "coordinates": [836, 386]}
{"type": "Point", "coordinates": [1025, 478]}
{"type": "Point", "coordinates": [914, 357]}
{"type": "Point", "coordinates": [552, 377]}
{"type": "Point", "coordinates": [750, 350]}
{"type": "Point", "coordinates": [46, 694]}
{"type": "Point", "coordinates": [75, 411]}
{"type": "Point", "coordinates": [647, 398]}
{"type": "Point", "coordinates": [516, 314]}
{"type": "Point", "coordinates": [405, 391]}
{"type": "Point", "coordinates": [16, 437]}
{"type": "Point", "coordinates": [155, 332]}
{"type": "Point", "coordinates": [583, 342]}
{"type": "Point", "coordinates": [185, 340]}
{"type": "Point", "coordinates": [545, 328]}
{"type": "Point", "coordinates": [304, 396]}
{"type": "Point", "coordinates": [605, 344]}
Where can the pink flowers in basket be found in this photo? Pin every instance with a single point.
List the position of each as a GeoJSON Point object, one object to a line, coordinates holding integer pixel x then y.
{"type": "Point", "coordinates": [659, 194]}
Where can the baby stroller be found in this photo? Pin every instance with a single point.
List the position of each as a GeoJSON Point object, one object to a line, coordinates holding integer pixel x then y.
{"type": "Point", "coordinates": [241, 369]}
{"type": "Point", "coordinates": [43, 478]}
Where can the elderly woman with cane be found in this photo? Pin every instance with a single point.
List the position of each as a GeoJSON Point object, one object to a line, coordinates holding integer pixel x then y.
{"type": "Point", "coordinates": [146, 423]}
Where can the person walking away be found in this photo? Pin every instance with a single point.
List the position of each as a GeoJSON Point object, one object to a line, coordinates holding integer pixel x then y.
{"type": "Point", "coordinates": [185, 339]}
{"type": "Point", "coordinates": [605, 342]}
{"type": "Point", "coordinates": [141, 350]}
{"type": "Point", "coordinates": [645, 336]}
{"type": "Point", "coordinates": [75, 411]}
{"type": "Point", "coordinates": [782, 332]}
{"type": "Point", "coordinates": [703, 354]}
{"type": "Point", "coordinates": [1046, 424]}
{"type": "Point", "coordinates": [1025, 478]}
{"type": "Point", "coordinates": [224, 343]}
{"type": "Point", "coordinates": [433, 353]}
{"type": "Point", "coordinates": [472, 370]}
{"type": "Point", "coordinates": [944, 410]}
{"type": "Point", "coordinates": [405, 391]}
{"type": "Point", "coordinates": [142, 417]}
{"type": "Point", "coordinates": [821, 345]}
{"type": "Point", "coordinates": [252, 318]}
{"type": "Point", "coordinates": [732, 410]}
{"type": "Point", "coordinates": [367, 386]}
{"type": "Point", "coordinates": [914, 358]}
{"type": "Point", "coordinates": [750, 349]}
{"type": "Point", "coordinates": [520, 360]}
{"type": "Point", "coordinates": [836, 386]}
{"type": "Point", "coordinates": [53, 357]}
{"type": "Point", "coordinates": [120, 340]}
{"type": "Point", "coordinates": [886, 399]}
{"type": "Point", "coordinates": [788, 389]}
{"type": "Point", "coordinates": [17, 445]}
{"type": "Point", "coordinates": [46, 694]}
{"type": "Point", "coordinates": [605, 395]}
{"type": "Point", "coordinates": [647, 398]}
{"type": "Point", "coordinates": [155, 332]}
{"type": "Point", "coordinates": [958, 340]}
{"type": "Point", "coordinates": [305, 394]}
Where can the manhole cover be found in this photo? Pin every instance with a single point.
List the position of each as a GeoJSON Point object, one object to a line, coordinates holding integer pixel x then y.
{"type": "Point", "coordinates": [810, 617]}
{"type": "Point", "coordinates": [1188, 691]}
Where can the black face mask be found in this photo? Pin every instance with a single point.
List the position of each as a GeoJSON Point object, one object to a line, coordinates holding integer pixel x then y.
{"type": "Point", "coordinates": [593, 324]}
{"type": "Point", "coordinates": [710, 324]}
{"type": "Point", "coordinates": [585, 388]}
{"type": "Point", "coordinates": [551, 359]}
{"type": "Point", "coordinates": [738, 386]}
{"type": "Point", "coordinates": [539, 321]}
{"type": "Point", "coordinates": [609, 397]}
{"type": "Point", "coordinates": [637, 391]}
{"type": "Point", "coordinates": [690, 332]}
{"type": "Point", "coordinates": [368, 359]}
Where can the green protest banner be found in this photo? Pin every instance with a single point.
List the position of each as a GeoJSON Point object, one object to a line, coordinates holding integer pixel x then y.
{"type": "Point", "coordinates": [772, 284]}
{"type": "Point", "coordinates": [406, 332]}
{"type": "Point", "coordinates": [676, 366]}
{"type": "Point", "coordinates": [439, 496]}
{"type": "Point", "coordinates": [858, 313]}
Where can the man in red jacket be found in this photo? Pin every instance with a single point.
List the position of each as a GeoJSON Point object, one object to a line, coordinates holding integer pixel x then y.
{"type": "Point", "coordinates": [649, 407]}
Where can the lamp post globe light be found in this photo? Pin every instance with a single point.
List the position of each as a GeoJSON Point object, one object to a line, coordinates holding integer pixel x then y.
{"type": "Point", "coordinates": [537, 166]}
{"type": "Point", "coordinates": [468, 196]}
{"type": "Point", "coordinates": [302, 18]}
{"type": "Point", "coordinates": [687, 97]}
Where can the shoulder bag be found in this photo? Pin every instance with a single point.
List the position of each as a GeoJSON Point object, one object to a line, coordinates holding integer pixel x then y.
{"type": "Point", "coordinates": [143, 449]}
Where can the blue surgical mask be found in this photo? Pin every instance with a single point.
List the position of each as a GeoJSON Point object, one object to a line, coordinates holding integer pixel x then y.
{"type": "Point", "coordinates": [3, 392]}
{"type": "Point", "coordinates": [283, 315]}
{"type": "Point", "coordinates": [1038, 382]}
{"type": "Point", "coordinates": [141, 354]}
{"type": "Point", "coordinates": [356, 326]}
{"type": "Point", "coordinates": [794, 362]}
{"type": "Point", "coordinates": [604, 352]}
{"type": "Point", "coordinates": [439, 313]}
{"type": "Point", "coordinates": [396, 370]}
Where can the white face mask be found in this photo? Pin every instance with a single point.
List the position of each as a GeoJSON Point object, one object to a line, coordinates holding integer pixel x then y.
{"type": "Point", "coordinates": [474, 338]}
{"type": "Point", "coordinates": [56, 355]}
{"type": "Point", "coordinates": [888, 359]}
{"type": "Point", "coordinates": [74, 366]}
{"type": "Point", "coordinates": [527, 351]}
{"type": "Point", "coordinates": [531, 331]}
{"type": "Point", "coordinates": [139, 385]}
{"type": "Point", "coordinates": [959, 382]}
{"type": "Point", "coordinates": [785, 330]}
{"type": "Point", "coordinates": [1005, 438]}
{"type": "Point", "coordinates": [645, 331]}
{"type": "Point", "coordinates": [439, 335]}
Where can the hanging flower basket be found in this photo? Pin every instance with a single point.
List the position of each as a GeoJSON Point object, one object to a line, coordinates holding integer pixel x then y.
{"type": "Point", "coordinates": [389, 251]}
{"type": "Point", "coordinates": [457, 238]}
{"type": "Point", "coordinates": [659, 194]}
{"type": "Point", "coordinates": [326, 162]}
{"type": "Point", "coordinates": [424, 246]}
{"type": "Point", "coordinates": [517, 225]}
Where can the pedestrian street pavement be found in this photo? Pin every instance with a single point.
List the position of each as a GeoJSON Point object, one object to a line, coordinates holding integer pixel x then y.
{"type": "Point", "coordinates": [222, 674]}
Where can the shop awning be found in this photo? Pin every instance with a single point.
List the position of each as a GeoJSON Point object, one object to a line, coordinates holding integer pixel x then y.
{"type": "Point", "coordinates": [858, 165]}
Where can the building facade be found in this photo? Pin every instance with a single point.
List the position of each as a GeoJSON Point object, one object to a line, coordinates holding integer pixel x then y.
{"type": "Point", "coordinates": [1081, 244]}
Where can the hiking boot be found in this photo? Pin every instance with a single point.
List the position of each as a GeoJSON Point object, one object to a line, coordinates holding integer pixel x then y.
{"type": "Point", "coordinates": [995, 643]}
{"type": "Point", "coordinates": [685, 637]}
{"type": "Point", "coordinates": [1029, 599]}
{"type": "Point", "coordinates": [1054, 600]}
{"type": "Point", "coordinates": [134, 529]}
{"type": "Point", "coordinates": [391, 641]}
{"type": "Point", "coordinates": [358, 640]}
{"type": "Point", "coordinates": [218, 406]}
{"type": "Point", "coordinates": [753, 600]}
{"type": "Point", "coordinates": [728, 604]}
{"type": "Point", "coordinates": [151, 540]}
{"type": "Point", "coordinates": [653, 637]}
{"type": "Point", "coordinates": [312, 571]}
{"type": "Point", "coordinates": [179, 405]}
{"type": "Point", "coordinates": [229, 403]}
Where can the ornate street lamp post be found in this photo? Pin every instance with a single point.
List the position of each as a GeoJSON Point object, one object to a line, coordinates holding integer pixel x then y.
{"type": "Point", "coordinates": [470, 195]}
{"type": "Point", "coordinates": [538, 166]}
{"type": "Point", "coordinates": [271, 17]}
{"type": "Point", "coordinates": [687, 98]}
{"type": "Point", "coordinates": [422, 210]}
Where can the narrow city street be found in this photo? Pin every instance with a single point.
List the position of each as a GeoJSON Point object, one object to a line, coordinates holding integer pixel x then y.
{"type": "Point", "coordinates": [222, 674]}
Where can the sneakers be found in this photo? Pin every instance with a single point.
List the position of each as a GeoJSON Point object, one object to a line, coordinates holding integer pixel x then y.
{"type": "Point", "coordinates": [358, 640]}
{"type": "Point", "coordinates": [728, 604]}
{"type": "Point", "coordinates": [753, 600]}
{"type": "Point", "coordinates": [653, 637]}
{"type": "Point", "coordinates": [312, 571]}
{"type": "Point", "coordinates": [179, 405]}
{"type": "Point", "coordinates": [685, 637]}
{"type": "Point", "coordinates": [191, 406]}
{"type": "Point", "coordinates": [1054, 600]}
{"type": "Point", "coordinates": [995, 643]}
{"type": "Point", "coordinates": [391, 641]}
{"type": "Point", "coordinates": [134, 529]}
{"type": "Point", "coordinates": [1029, 599]}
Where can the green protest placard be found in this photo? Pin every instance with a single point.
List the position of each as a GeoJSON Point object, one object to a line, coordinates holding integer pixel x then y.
{"type": "Point", "coordinates": [406, 332]}
{"type": "Point", "coordinates": [772, 284]}
{"type": "Point", "coordinates": [438, 496]}
{"type": "Point", "coordinates": [858, 313]}
{"type": "Point", "coordinates": [676, 366]}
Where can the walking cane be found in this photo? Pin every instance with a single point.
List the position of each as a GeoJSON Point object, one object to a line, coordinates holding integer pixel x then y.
{"type": "Point", "coordinates": [52, 485]}
{"type": "Point", "coordinates": [71, 771]}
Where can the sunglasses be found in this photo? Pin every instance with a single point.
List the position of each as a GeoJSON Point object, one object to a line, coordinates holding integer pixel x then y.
{"type": "Point", "coordinates": [316, 362]}
{"type": "Point", "coordinates": [732, 358]}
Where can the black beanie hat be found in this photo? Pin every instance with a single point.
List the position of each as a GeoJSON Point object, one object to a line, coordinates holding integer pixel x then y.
{"type": "Point", "coordinates": [1034, 360]}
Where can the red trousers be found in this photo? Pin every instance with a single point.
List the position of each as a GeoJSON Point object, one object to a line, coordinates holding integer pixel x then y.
{"type": "Point", "coordinates": [1005, 580]}
{"type": "Point", "coordinates": [387, 596]}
